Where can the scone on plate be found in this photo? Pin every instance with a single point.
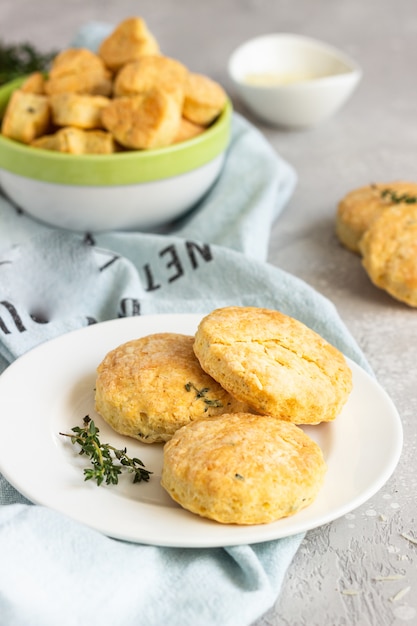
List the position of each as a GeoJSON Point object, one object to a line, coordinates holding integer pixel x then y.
{"type": "Point", "coordinates": [360, 207]}
{"type": "Point", "coordinates": [389, 252]}
{"type": "Point", "coordinates": [149, 387]}
{"type": "Point", "coordinates": [275, 363]}
{"type": "Point", "coordinates": [243, 468]}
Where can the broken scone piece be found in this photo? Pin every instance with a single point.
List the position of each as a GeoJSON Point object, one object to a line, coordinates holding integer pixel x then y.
{"type": "Point", "coordinates": [149, 387]}
{"type": "Point", "coordinates": [143, 122]}
{"type": "Point", "coordinates": [129, 41]}
{"type": "Point", "coordinates": [73, 140]}
{"type": "Point", "coordinates": [242, 468]}
{"type": "Point", "coordinates": [27, 116]}
{"type": "Point", "coordinates": [275, 363]}
{"type": "Point", "coordinates": [81, 71]}
{"type": "Point", "coordinates": [82, 111]}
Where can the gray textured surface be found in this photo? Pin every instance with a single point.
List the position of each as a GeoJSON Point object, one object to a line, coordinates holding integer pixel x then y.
{"type": "Point", "coordinates": [332, 581]}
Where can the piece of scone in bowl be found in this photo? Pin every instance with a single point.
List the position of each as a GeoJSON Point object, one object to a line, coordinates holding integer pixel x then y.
{"type": "Point", "coordinates": [149, 387]}
{"type": "Point", "coordinates": [204, 99]}
{"type": "Point", "coordinates": [275, 363]}
{"type": "Point", "coordinates": [129, 41]}
{"type": "Point", "coordinates": [142, 122]}
{"type": "Point", "coordinates": [81, 71]}
{"type": "Point", "coordinates": [389, 252]}
{"type": "Point", "coordinates": [149, 72]}
{"type": "Point", "coordinates": [360, 207]}
{"type": "Point", "coordinates": [72, 140]}
{"type": "Point", "coordinates": [27, 116]}
{"type": "Point", "coordinates": [243, 468]}
{"type": "Point", "coordinates": [79, 110]}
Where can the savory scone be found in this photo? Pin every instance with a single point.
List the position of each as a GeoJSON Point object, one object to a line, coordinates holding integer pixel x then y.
{"type": "Point", "coordinates": [152, 71]}
{"type": "Point", "coordinates": [389, 252]}
{"type": "Point", "coordinates": [73, 140]}
{"type": "Point", "coordinates": [34, 83]}
{"type": "Point", "coordinates": [243, 468]}
{"type": "Point", "coordinates": [187, 130]}
{"type": "Point", "coordinates": [360, 207]}
{"type": "Point", "coordinates": [149, 387]}
{"type": "Point", "coordinates": [27, 116]}
{"type": "Point", "coordinates": [129, 41]}
{"type": "Point", "coordinates": [79, 110]}
{"type": "Point", "coordinates": [273, 362]}
{"type": "Point", "coordinates": [143, 122]}
{"type": "Point", "coordinates": [204, 99]}
{"type": "Point", "coordinates": [81, 71]}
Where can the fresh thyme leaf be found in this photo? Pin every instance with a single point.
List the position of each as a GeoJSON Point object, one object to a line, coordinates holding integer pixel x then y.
{"type": "Point", "coordinates": [393, 196]}
{"type": "Point", "coordinates": [103, 455]}
{"type": "Point", "coordinates": [201, 393]}
{"type": "Point", "coordinates": [19, 59]}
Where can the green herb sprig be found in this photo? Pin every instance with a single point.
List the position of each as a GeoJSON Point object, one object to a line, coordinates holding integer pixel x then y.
{"type": "Point", "coordinates": [398, 198]}
{"type": "Point", "coordinates": [103, 455]}
{"type": "Point", "coordinates": [20, 59]}
{"type": "Point", "coordinates": [201, 393]}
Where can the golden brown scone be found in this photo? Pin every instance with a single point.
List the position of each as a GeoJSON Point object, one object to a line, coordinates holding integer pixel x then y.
{"type": "Point", "coordinates": [204, 99]}
{"type": "Point", "coordinates": [275, 363]}
{"type": "Point", "coordinates": [151, 72]}
{"type": "Point", "coordinates": [73, 140]}
{"type": "Point", "coordinates": [187, 130]}
{"type": "Point", "coordinates": [243, 468]}
{"type": "Point", "coordinates": [27, 116]}
{"type": "Point", "coordinates": [389, 249]}
{"type": "Point", "coordinates": [149, 387]}
{"type": "Point", "coordinates": [129, 41]}
{"type": "Point", "coordinates": [81, 71]}
{"type": "Point", "coordinates": [357, 210]}
{"type": "Point", "coordinates": [142, 122]}
{"type": "Point", "coordinates": [34, 83]}
{"type": "Point", "coordinates": [82, 111]}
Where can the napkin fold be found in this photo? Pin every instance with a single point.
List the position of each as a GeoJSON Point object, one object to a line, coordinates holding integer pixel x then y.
{"type": "Point", "coordinates": [54, 570]}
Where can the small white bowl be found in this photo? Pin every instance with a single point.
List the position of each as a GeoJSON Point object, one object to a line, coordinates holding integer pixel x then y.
{"type": "Point", "coordinates": [291, 80]}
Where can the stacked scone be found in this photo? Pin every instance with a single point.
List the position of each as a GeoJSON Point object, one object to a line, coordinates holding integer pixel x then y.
{"type": "Point", "coordinates": [229, 402]}
{"type": "Point", "coordinates": [379, 222]}
{"type": "Point", "coordinates": [128, 96]}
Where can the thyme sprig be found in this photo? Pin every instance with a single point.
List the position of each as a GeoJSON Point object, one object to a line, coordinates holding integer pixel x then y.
{"type": "Point", "coordinates": [22, 58]}
{"type": "Point", "coordinates": [398, 198]}
{"type": "Point", "coordinates": [103, 455]}
{"type": "Point", "coordinates": [201, 393]}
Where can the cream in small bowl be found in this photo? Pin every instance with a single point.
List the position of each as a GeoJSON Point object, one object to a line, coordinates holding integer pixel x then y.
{"type": "Point", "coordinates": [291, 80]}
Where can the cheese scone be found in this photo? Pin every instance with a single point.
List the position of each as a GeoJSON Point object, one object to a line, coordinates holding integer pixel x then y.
{"type": "Point", "coordinates": [242, 468]}
{"type": "Point", "coordinates": [204, 99]}
{"type": "Point", "coordinates": [187, 130]}
{"type": "Point", "coordinates": [73, 140]}
{"type": "Point", "coordinates": [129, 41]}
{"type": "Point", "coordinates": [34, 83]}
{"type": "Point", "coordinates": [143, 122]}
{"type": "Point", "coordinates": [149, 387]}
{"type": "Point", "coordinates": [81, 71]}
{"type": "Point", "coordinates": [275, 363]}
{"type": "Point", "coordinates": [151, 72]}
{"type": "Point", "coordinates": [360, 207]}
{"type": "Point", "coordinates": [389, 252]}
{"type": "Point", "coordinates": [79, 110]}
{"type": "Point", "coordinates": [27, 116]}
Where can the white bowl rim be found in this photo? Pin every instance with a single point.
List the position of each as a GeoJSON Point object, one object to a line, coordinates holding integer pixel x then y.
{"type": "Point", "coordinates": [352, 65]}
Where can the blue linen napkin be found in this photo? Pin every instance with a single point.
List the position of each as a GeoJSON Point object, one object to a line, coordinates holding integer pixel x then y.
{"type": "Point", "coordinates": [56, 571]}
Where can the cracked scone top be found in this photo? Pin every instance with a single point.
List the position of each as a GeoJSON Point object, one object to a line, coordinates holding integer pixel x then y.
{"type": "Point", "coordinates": [275, 363]}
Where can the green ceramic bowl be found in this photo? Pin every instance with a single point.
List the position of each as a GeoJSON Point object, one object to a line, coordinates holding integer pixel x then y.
{"type": "Point", "coordinates": [128, 190]}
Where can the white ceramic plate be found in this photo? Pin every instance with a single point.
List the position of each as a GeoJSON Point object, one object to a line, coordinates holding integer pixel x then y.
{"type": "Point", "coordinates": [51, 388]}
